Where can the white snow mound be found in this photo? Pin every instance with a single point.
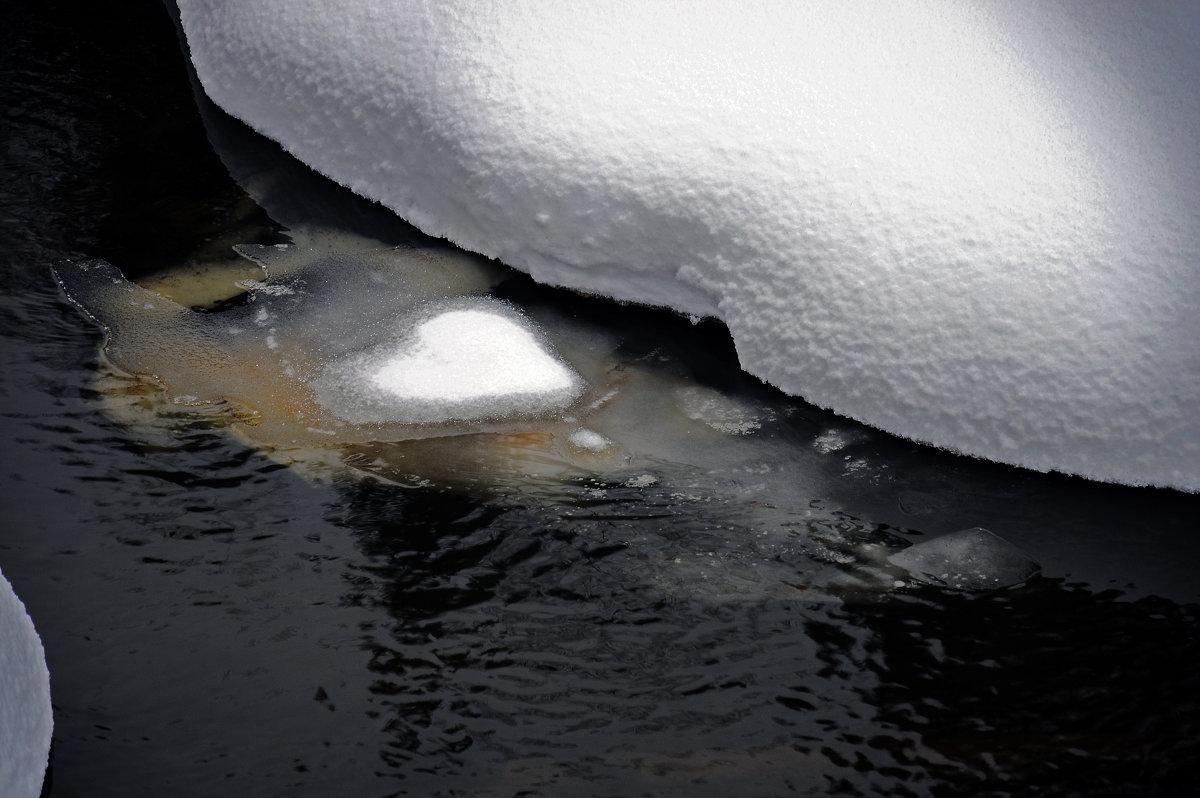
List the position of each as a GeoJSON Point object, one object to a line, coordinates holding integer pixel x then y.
{"type": "Point", "coordinates": [972, 226]}
{"type": "Point", "coordinates": [26, 719]}
{"type": "Point", "coordinates": [472, 354]}
{"type": "Point", "coordinates": [456, 360]}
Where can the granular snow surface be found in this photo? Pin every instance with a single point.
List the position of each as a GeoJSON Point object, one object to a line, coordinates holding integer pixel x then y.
{"type": "Point", "coordinates": [475, 359]}
{"type": "Point", "coordinates": [975, 227]}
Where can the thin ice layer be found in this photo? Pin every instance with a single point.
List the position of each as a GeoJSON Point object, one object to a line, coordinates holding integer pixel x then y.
{"type": "Point", "coordinates": [972, 226]}
{"type": "Point", "coordinates": [26, 718]}
{"type": "Point", "coordinates": [293, 367]}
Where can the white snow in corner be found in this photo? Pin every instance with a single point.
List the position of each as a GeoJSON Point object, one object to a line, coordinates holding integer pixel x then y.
{"type": "Point", "coordinates": [974, 225]}
{"type": "Point", "coordinates": [589, 440]}
{"type": "Point", "coordinates": [26, 719]}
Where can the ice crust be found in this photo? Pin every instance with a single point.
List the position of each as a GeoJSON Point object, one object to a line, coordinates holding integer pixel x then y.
{"type": "Point", "coordinates": [972, 226]}
{"type": "Point", "coordinates": [26, 718]}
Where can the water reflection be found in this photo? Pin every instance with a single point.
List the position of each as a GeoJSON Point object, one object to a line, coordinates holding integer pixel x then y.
{"type": "Point", "coordinates": [528, 652]}
{"type": "Point", "coordinates": [1051, 689]}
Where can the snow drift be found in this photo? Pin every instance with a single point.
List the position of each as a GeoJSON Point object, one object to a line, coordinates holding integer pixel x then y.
{"type": "Point", "coordinates": [974, 227]}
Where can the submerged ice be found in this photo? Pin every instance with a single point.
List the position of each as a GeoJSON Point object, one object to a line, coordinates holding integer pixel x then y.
{"type": "Point", "coordinates": [26, 716]}
{"type": "Point", "coordinates": [420, 354]}
{"type": "Point", "coordinates": [937, 219]}
{"type": "Point", "coordinates": [970, 559]}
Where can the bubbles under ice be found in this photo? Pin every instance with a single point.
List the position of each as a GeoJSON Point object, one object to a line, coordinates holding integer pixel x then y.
{"type": "Point", "coordinates": [721, 412]}
{"type": "Point", "coordinates": [26, 718]}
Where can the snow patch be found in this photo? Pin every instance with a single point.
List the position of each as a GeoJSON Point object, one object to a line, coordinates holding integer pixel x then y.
{"type": "Point", "coordinates": [454, 361]}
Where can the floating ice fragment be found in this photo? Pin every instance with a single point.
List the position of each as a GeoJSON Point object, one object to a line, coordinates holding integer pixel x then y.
{"type": "Point", "coordinates": [26, 718]}
{"type": "Point", "coordinates": [971, 559]}
{"type": "Point", "coordinates": [458, 361]}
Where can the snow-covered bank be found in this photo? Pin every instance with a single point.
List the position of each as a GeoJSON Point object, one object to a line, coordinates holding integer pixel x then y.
{"type": "Point", "coordinates": [972, 227]}
{"type": "Point", "coordinates": [26, 718]}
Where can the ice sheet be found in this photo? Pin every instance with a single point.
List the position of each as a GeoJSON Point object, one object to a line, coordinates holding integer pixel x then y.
{"type": "Point", "coordinates": [971, 226]}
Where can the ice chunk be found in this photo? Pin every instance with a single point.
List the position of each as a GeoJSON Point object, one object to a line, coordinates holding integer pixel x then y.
{"type": "Point", "coordinates": [26, 718]}
{"type": "Point", "coordinates": [938, 219]}
{"type": "Point", "coordinates": [473, 353]}
{"type": "Point", "coordinates": [468, 360]}
{"type": "Point", "coordinates": [971, 559]}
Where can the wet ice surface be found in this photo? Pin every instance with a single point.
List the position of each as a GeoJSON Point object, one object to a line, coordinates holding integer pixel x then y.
{"type": "Point", "coordinates": [275, 370]}
{"type": "Point", "coordinates": [971, 559]}
{"type": "Point", "coordinates": [547, 608]}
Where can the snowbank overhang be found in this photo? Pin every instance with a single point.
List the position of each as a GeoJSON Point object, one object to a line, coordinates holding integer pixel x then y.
{"type": "Point", "coordinates": [973, 227]}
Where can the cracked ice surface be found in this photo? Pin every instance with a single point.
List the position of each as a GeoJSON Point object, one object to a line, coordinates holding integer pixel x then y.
{"type": "Point", "coordinates": [971, 226]}
{"type": "Point", "coordinates": [970, 559]}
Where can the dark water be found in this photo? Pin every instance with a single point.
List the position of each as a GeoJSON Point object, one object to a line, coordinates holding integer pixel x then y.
{"type": "Point", "coordinates": [217, 625]}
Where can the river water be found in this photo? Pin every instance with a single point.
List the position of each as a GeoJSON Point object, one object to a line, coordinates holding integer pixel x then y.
{"type": "Point", "coordinates": [216, 622]}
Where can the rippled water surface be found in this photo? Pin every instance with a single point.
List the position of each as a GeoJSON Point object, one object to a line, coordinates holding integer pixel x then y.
{"type": "Point", "coordinates": [217, 623]}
